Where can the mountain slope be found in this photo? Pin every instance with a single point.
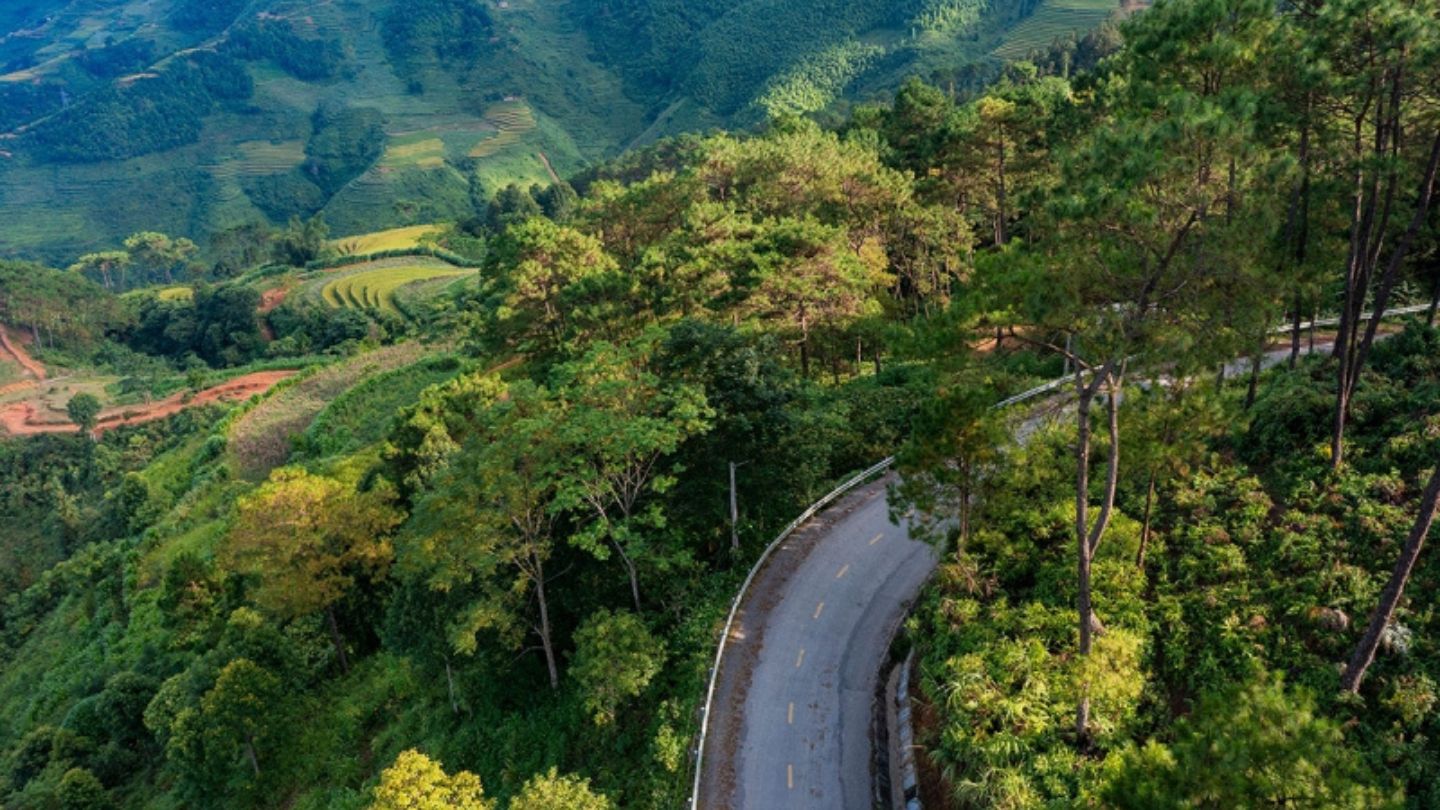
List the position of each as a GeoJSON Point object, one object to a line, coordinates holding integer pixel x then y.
{"type": "Point", "coordinates": [192, 116]}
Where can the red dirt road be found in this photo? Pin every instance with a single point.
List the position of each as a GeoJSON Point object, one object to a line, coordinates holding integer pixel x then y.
{"type": "Point", "coordinates": [272, 298]}
{"type": "Point", "coordinates": [23, 419]}
{"type": "Point", "coordinates": [16, 350]}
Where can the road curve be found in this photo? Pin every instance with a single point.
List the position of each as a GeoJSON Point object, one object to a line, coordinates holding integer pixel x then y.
{"type": "Point", "coordinates": [792, 728]}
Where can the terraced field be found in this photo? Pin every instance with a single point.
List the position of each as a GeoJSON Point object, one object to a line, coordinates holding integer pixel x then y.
{"type": "Point", "coordinates": [257, 159]}
{"type": "Point", "coordinates": [375, 289]}
{"type": "Point", "coordinates": [393, 239]}
{"type": "Point", "coordinates": [426, 153]}
{"type": "Point", "coordinates": [512, 120]}
{"type": "Point", "coordinates": [1052, 20]}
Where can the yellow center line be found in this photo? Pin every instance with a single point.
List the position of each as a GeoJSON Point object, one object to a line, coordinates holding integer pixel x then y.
{"type": "Point", "coordinates": [819, 608]}
{"type": "Point", "coordinates": [790, 777]}
{"type": "Point", "coordinates": [800, 659]}
{"type": "Point", "coordinates": [877, 538]}
{"type": "Point", "coordinates": [843, 569]}
{"type": "Point", "coordinates": [790, 715]}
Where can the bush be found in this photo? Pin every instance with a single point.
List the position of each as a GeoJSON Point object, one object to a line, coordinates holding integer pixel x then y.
{"type": "Point", "coordinates": [1256, 745]}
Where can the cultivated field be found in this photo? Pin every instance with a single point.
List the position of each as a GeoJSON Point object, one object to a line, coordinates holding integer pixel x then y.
{"type": "Point", "coordinates": [512, 120]}
{"type": "Point", "coordinates": [375, 289]}
{"type": "Point", "coordinates": [393, 239]}
{"type": "Point", "coordinates": [262, 438]}
{"type": "Point", "coordinates": [1052, 20]}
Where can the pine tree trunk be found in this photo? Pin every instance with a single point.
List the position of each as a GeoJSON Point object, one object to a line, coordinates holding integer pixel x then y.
{"type": "Point", "coordinates": [1337, 423]}
{"type": "Point", "coordinates": [337, 641]}
{"type": "Point", "coordinates": [1088, 537]}
{"type": "Point", "coordinates": [1295, 335]}
{"type": "Point", "coordinates": [1397, 256]}
{"type": "Point", "coordinates": [1082, 542]}
{"type": "Point", "coordinates": [1364, 653]}
{"type": "Point", "coordinates": [631, 572]}
{"type": "Point", "coordinates": [1256, 361]}
{"type": "Point", "coordinates": [250, 755]}
{"type": "Point", "coordinates": [1000, 198]}
{"type": "Point", "coordinates": [545, 642]}
{"type": "Point", "coordinates": [450, 686]}
{"type": "Point", "coordinates": [1145, 524]}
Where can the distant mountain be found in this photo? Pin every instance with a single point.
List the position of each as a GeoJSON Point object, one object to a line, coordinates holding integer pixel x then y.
{"type": "Point", "coordinates": [192, 116]}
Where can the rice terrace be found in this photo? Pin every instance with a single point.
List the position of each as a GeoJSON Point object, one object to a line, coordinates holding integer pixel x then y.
{"type": "Point", "coordinates": [376, 285]}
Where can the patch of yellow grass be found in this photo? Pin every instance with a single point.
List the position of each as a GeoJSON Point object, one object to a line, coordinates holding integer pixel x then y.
{"type": "Point", "coordinates": [176, 294]}
{"type": "Point", "coordinates": [394, 239]}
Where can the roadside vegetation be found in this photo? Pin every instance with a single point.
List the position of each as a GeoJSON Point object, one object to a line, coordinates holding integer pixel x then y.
{"type": "Point", "coordinates": [478, 547]}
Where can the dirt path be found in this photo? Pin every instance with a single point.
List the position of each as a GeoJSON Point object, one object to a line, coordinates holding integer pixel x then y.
{"type": "Point", "coordinates": [24, 419]}
{"type": "Point", "coordinates": [551, 169]}
{"type": "Point", "coordinates": [15, 349]}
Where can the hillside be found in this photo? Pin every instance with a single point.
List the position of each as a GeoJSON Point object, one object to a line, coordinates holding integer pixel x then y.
{"type": "Point", "coordinates": [193, 116]}
{"type": "Point", "coordinates": [456, 513]}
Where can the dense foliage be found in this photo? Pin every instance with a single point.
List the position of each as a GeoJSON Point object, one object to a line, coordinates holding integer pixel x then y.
{"type": "Point", "coordinates": [488, 571]}
{"type": "Point", "coordinates": [101, 107]}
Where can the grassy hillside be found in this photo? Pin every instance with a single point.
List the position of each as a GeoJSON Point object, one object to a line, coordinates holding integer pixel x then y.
{"type": "Point", "coordinates": [191, 117]}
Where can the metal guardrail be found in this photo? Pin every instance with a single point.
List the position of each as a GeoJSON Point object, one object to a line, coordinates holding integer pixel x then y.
{"type": "Point", "coordinates": [784, 535]}
{"type": "Point", "coordinates": [859, 479]}
{"type": "Point", "coordinates": [1413, 309]}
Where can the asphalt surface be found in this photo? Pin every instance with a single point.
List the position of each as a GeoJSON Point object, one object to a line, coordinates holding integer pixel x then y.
{"type": "Point", "coordinates": [791, 724]}
{"type": "Point", "coordinates": [823, 611]}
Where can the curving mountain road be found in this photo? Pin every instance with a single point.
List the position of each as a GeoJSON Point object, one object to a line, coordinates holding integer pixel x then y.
{"type": "Point", "coordinates": [792, 725]}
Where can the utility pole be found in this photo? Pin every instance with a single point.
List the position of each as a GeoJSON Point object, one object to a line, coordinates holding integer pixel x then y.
{"type": "Point", "coordinates": [735, 509]}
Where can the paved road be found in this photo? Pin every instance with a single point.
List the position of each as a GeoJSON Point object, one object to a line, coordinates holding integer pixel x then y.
{"type": "Point", "coordinates": [824, 614]}
{"type": "Point", "coordinates": [791, 726]}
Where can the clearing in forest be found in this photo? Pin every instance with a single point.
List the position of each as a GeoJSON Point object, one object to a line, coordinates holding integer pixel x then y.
{"type": "Point", "coordinates": [33, 416]}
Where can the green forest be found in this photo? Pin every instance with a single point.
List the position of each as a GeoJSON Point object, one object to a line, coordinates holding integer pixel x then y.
{"type": "Point", "coordinates": [195, 116]}
{"type": "Point", "coordinates": [305, 515]}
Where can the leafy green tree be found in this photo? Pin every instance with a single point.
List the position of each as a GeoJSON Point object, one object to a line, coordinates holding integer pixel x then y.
{"type": "Point", "coordinates": [545, 280]}
{"type": "Point", "coordinates": [615, 659]}
{"type": "Point", "coordinates": [958, 435]}
{"type": "Point", "coordinates": [417, 782]}
{"type": "Point", "coordinates": [235, 250]}
{"type": "Point", "coordinates": [1258, 745]}
{"type": "Point", "coordinates": [485, 530]}
{"type": "Point", "coordinates": [756, 398]}
{"type": "Point", "coordinates": [56, 307]}
{"type": "Point", "coordinates": [190, 599]}
{"type": "Point", "coordinates": [84, 409]}
{"type": "Point", "coordinates": [1378, 78]}
{"type": "Point", "coordinates": [158, 256]}
{"type": "Point", "coordinates": [551, 791]}
{"type": "Point", "coordinates": [813, 280]}
{"type": "Point", "coordinates": [1155, 228]}
{"type": "Point", "coordinates": [619, 424]}
{"type": "Point", "coordinates": [105, 265]}
{"type": "Point", "coordinates": [80, 790]}
{"type": "Point", "coordinates": [238, 710]}
{"type": "Point", "coordinates": [302, 241]}
{"type": "Point", "coordinates": [512, 205]}
{"type": "Point", "coordinates": [307, 539]}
